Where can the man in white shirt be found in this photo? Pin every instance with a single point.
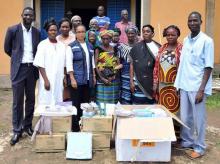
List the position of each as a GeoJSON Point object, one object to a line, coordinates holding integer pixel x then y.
{"type": "Point", "coordinates": [21, 44]}
{"type": "Point", "coordinates": [195, 82]}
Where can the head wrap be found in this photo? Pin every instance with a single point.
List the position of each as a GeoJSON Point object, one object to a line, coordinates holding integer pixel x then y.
{"type": "Point", "coordinates": [96, 36]}
{"type": "Point", "coordinates": [106, 33]}
{"type": "Point", "coordinates": [131, 27]}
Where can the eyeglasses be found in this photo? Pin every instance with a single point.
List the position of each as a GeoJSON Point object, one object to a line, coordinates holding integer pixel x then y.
{"type": "Point", "coordinates": [78, 32]}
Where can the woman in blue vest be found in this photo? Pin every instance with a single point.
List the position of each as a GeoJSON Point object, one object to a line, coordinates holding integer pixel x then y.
{"type": "Point", "coordinates": [82, 78]}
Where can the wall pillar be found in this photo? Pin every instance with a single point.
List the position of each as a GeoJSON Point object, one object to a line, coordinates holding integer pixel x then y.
{"type": "Point", "coordinates": [210, 14]}
{"type": "Point", "coordinates": [133, 11]}
{"type": "Point", "coordinates": [38, 14]}
{"type": "Point", "coordinates": [28, 3]}
{"type": "Point", "coordinates": [145, 12]}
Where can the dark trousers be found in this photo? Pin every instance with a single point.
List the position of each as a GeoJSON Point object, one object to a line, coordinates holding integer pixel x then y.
{"type": "Point", "coordinates": [78, 96]}
{"type": "Point", "coordinates": [24, 84]}
{"type": "Point", "coordinates": [141, 100]}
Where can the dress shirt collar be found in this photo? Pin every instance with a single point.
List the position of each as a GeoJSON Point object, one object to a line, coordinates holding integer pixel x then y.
{"type": "Point", "coordinates": [195, 38]}
{"type": "Point", "coordinates": [24, 29]}
{"type": "Point", "coordinates": [125, 22]}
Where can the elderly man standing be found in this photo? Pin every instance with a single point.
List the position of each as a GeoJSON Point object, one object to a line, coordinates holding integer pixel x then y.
{"type": "Point", "coordinates": [122, 25]}
{"type": "Point", "coordinates": [76, 20]}
{"type": "Point", "coordinates": [93, 24]}
{"type": "Point", "coordinates": [195, 83]}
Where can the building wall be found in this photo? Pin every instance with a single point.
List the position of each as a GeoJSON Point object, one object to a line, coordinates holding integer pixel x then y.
{"type": "Point", "coordinates": [10, 14]}
{"type": "Point", "coordinates": [217, 31]}
{"type": "Point", "coordinates": [159, 13]}
{"type": "Point", "coordinates": [175, 12]}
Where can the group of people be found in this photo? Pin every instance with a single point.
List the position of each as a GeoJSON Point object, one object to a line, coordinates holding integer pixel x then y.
{"type": "Point", "coordinates": [110, 66]}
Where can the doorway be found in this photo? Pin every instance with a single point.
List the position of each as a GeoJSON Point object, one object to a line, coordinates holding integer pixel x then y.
{"type": "Point", "coordinates": [86, 9]}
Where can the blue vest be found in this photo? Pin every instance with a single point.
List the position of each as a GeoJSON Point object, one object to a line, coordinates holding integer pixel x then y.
{"type": "Point", "coordinates": [79, 63]}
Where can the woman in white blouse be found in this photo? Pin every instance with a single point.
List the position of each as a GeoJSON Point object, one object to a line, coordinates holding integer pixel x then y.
{"type": "Point", "coordinates": [51, 58]}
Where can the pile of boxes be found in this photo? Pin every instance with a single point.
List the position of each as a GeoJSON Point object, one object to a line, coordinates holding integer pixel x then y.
{"type": "Point", "coordinates": [137, 138]}
{"type": "Point", "coordinates": [101, 129]}
{"type": "Point", "coordinates": [99, 126]}
{"type": "Point", "coordinates": [57, 141]}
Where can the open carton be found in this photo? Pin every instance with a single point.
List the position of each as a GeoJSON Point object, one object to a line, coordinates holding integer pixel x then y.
{"type": "Point", "coordinates": [144, 138]}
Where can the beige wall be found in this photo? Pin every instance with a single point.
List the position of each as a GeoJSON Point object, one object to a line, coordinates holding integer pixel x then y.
{"type": "Point", "coordinates": [161, 15]}
{"type": "Point", "coordinates": [217, 31]}
{"type": "Point", "coordinates": [10, 14]}
{"type": "Point", "coordinates": [164, 13]}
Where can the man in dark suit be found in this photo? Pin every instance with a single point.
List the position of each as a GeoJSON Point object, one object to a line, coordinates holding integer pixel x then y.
{"type": "Point", "coordinates": [21, 45]}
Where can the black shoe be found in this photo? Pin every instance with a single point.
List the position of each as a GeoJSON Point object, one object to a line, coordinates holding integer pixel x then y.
{"type": "Point", "coordinates": [28, 131]}
{"type": "Point", "coordinates": [14, 139]}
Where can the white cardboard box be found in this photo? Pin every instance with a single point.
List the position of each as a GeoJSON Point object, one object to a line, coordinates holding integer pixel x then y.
{"type": "Point", "coordinates": [155, 133]}
{"type": "Point", "coordinates": [79, 145]}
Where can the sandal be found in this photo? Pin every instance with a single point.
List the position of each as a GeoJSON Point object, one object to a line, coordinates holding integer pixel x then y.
{"type": "Point", "coordinates": [193, 155]}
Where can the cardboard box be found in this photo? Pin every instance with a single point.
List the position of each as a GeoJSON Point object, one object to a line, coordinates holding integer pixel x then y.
{"type": "Point", "coordinates": [61, 124]}
{"type": "Point", "coordinates": [144, 138]}
{"type": "Point", "coordinates": [97, 124]}
{"type": "Point", "coordinates": [50, 143]}
{"type": "Point", "coordinates": [34, 121]}
{"type": "Point", "coordinates": [101, 141]}
{"type": "Point", "coordinates": [79, 145]}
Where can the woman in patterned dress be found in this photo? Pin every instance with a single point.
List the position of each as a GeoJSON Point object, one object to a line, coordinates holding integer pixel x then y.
{"type": "Point", "coordinates": [165, 71]}
{"type": "Point", "coordinates": [107, 66]}
{"type": "Point", "coordinates": [124, 50]}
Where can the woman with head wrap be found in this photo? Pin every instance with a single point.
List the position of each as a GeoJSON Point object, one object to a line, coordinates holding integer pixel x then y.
{"type": "Point", "coordinates": [115, 37]}
{"type": "Point", "coordinates": [123, 51]}
{"type": "Point", "coordinates": [92, 35]}
{"type": "Point", "coordinates": [107, 68]}
{"type": "Point", "coordinates": [92, 38]}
